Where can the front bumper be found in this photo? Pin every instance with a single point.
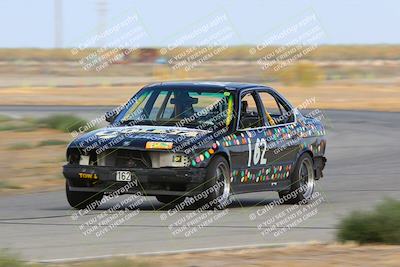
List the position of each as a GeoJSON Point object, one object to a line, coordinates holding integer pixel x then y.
{"type": "Point", "coordinates": [157, 181]}
{"type": "Point", "coordinates": [319, 165]}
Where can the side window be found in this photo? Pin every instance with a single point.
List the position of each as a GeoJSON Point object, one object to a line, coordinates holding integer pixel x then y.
{"type": "Point", "coordinates": [160, 102]}
{"type": "Point", "coordinates": [275, 111]}
{"type": "Point", "coordinates": [250, 113]}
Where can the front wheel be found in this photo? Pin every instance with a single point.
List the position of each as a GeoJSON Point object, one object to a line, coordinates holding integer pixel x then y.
{"type": "Point", "coordinates": [170, 200]}
{"type": "Point", "coordinates": [82, 200]}
{"type": "Point", "coordinates": [218, 185]}
{"type": "Point", "coordinates": [302, 182]}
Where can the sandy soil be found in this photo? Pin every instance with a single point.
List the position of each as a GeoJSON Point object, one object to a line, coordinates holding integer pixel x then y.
{"type": "Point", "coordinates": [291, 256]}
{"type": "Point", "coordinates": [377, 97]}
{"type": "Point", "coordinates": [26, 166]}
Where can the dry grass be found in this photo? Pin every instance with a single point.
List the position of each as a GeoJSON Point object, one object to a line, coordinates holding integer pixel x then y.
{"type": "Point", "coordinates": [293, 256]}
{"type": "Point", "coordinates": [347, 96]}
{"type": "Point", "coordinates": [328, 95]}
{"type": "Point", "coordinates": [324, 52]}
{"type": "Point", "coordinates": [34, 165]}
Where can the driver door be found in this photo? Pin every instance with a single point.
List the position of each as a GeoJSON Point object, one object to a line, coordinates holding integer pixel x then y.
{"type": "Point", "coordinates": [246, 159]}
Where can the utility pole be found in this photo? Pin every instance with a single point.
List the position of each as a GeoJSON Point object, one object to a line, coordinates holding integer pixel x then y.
{"type": "Point", "coordinates": [102, 20]}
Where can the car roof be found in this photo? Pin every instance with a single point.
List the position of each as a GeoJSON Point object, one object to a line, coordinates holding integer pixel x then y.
{"type": "Point", "coordinates": [209, 84]}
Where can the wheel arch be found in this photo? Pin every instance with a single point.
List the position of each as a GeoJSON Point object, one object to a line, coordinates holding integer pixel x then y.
{"type": "Point", "coordinates": [304, 151]}
{"type": "Point", "coordinates": [223, 154]}
{"type": "Point", "coordinates": [318, 162]}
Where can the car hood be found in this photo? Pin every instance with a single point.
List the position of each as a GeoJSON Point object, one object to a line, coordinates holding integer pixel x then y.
{"type": "Point", "coordinates": [137, 137]}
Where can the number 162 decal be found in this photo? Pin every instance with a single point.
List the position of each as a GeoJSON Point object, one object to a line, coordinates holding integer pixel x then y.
{"type": "Point", "coordinates": [258, 157]}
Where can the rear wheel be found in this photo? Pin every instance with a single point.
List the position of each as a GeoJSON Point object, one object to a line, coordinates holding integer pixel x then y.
{"type": "Point", "coordinates": [302, 182]}
{"type": "Point", "coordinates": [81, 200]}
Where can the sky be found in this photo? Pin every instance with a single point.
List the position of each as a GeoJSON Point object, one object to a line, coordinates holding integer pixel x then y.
{"type": "Point", "coordinates": [32, 23]}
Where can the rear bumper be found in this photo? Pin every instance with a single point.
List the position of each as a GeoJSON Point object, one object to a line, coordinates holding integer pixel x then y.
{"type": "Point", "coordinates": [161, 181]}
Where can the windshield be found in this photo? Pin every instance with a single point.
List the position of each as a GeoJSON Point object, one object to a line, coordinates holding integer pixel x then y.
{"type": "Point", "coordinates": [193, 108]}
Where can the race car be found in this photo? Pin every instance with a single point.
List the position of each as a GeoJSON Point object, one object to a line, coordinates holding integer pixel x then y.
{"type": "Point", "coordinates": [208, 140]}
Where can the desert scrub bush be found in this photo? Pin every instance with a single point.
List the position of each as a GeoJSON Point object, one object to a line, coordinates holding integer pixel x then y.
{"type": "Point", "coordinates": [13, 124]}
{"type": "Point", "coordinates": [4, 118]}
{"type": "Point", "coordinates": [382, 225]}
{"type": "Point", "coordinates": [8, 185]}
{"type": "Point", "coordinates": [8, 260]}
{"type": "Point", "coordinates": [8, 127]}
{"type": "Point", "coordinates": [65, 123]}
{"type": "Point", "coordinates": [52, 142]}
{"type": "Point", "coordinates": [302, 73]}
{"type": "Point", "coordinates": [19, 146]}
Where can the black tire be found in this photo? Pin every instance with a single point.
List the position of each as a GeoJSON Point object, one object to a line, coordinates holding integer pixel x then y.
{"type": "Point", "coordinates": [302, 182]}
{"type": "Point", "coordinates": [169, 199]}
{"type": "Point", "coordinates": [82, 200]}
{"type": "Point", "coordinates": [218, 177]}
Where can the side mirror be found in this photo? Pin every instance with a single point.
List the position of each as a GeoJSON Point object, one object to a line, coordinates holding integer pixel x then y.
{"type": "Point", "coordinates": [111, 116]}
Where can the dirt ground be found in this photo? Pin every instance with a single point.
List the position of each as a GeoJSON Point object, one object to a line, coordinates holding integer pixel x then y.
{"type": "Point", "coordinates": [336, 84]}
{"type": "Point", "coordinates": [350, 96]}
{"type": "Point", "coordinates": [27, 164]}
{"type": "Point", "coordinates": [291, 256]}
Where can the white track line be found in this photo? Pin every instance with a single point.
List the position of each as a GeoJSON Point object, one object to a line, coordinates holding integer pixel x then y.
{"type": "Point", "coordinates": [194, 250]}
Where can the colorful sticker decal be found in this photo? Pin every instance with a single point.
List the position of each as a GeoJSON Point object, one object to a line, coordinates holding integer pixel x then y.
{"type": "Point", "coordinates": [159, 145]}
{"type": "Point", "coordinates": [273, 137]}
{"type": "Point", "coordinates": [317, 149]}
{"type": "Point", "coordinates": [279, 172]}
{"type": "Point", "coordinates": [234, 140]}
{"type": "Point", "coordinates": [206, 154]}
{"type": "Point", "coordinates": [277, 134]}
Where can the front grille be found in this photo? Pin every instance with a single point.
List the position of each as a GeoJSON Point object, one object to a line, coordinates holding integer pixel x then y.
{"type": "Point", "coordinates": [124, 158]}
{"type": "Point", "coordinates": [132, 159]}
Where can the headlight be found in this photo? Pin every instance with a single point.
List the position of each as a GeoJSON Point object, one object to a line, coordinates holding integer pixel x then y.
{"type": "Point", "coordinates": [165, 159]}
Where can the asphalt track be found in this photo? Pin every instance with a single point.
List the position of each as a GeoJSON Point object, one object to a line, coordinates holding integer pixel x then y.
{"type": "Point", "coordinates": [363, 168]}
